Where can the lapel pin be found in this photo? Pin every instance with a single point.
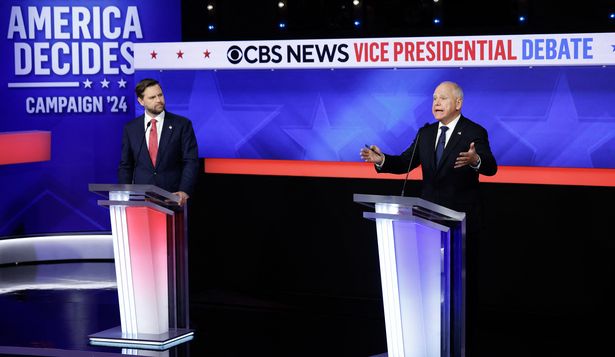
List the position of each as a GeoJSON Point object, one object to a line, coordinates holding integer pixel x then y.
{"type": "Point", "coordinates": [171, 127]}
{"type": "Point", "coordinates": [458, 133]}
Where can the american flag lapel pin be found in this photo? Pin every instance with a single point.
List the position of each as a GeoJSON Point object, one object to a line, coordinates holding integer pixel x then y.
{"type": "Point", "coordinates": [171, 127]}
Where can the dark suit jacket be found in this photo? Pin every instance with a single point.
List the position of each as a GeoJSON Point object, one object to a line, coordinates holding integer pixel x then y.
{"type": "Point", "coordinates": [457, 189]}
{"type": "Point", "coordinates": [177, 163]}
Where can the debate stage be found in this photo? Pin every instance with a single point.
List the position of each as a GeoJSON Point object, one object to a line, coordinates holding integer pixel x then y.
{"type": "Point", "coordinates": [50, 309]}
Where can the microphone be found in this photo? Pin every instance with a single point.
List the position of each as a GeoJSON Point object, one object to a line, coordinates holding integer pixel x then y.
{"type": "Point", "coordinates": [416, 143]}
{"type": "Point", "coordinates": [134, 169]}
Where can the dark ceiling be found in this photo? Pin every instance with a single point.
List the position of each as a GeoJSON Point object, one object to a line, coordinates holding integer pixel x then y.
{"type": "Point", "coordinates": [259, 19]}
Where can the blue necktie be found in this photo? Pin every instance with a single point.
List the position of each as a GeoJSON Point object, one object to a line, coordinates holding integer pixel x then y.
{"type": "Point", "coordinates": [441, 144]}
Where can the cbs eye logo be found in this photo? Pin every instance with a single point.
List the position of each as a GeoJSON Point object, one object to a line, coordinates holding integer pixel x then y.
{"type": "Point", "coordinates": [234, 54]}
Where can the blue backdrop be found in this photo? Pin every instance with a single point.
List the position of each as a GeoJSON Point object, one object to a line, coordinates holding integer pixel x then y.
{"type": "Point", "coordinates": [548, 116]}
{"type": "Point", "coordinates": [58, 56]}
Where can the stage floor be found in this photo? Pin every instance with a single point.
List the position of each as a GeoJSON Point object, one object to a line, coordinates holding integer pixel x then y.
{"type": "Point", "coordinates": [50, 309]}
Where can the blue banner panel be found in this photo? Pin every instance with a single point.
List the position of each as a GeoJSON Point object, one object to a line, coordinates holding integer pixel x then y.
{"type": "Point", "coordinates": [542, 116]}
{"type": "Point", "coordinates": [68, 69]}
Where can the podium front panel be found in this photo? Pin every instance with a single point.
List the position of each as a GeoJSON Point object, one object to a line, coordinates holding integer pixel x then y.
{"type": "Point", "coordinates": [415, 286]}
{"type": "Point", "coordinates": [147, 236]}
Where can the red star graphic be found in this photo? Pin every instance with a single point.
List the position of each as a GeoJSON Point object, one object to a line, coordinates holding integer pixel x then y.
{"type": "Point", "coordinates": [153, 54]}
{"type": "Point", "coordinates": [180, 54]}
{"type": "Point", "coordinates": [206, 53]}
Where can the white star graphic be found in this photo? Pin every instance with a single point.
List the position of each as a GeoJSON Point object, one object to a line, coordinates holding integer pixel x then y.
{"type": "Point", "coordinates": [104, 83]}
{"type": "Point", "coordinates": [122, 83]}
{"type": "Point", "coordinates": [87, 83]}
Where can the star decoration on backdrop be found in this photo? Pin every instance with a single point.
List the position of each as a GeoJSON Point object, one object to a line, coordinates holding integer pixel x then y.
{"type": "Point", "coordinates": [206, 54]}
{"type": "Point", "coordinates": [180, 54]}
{"type": "Point", "coordinates": [560, 137]}
{"type": "Point", "coordinates": [154, 54]}
{"type": "Point", "coordinates": [121, 83]}
{"type": "Point", "coordinates": [399, 115]}
{"type": "Point", "coordinates": [43, 202]}
{"type": "Point", "coordinates": [322, 140]}
{"type": "Point", "coordinates": [399, 107]}
{"type": "Point", "coordinates": [228, 128]}
{"type": "Point", "coordinates": [87, 83]}
{"type": "Point", "coordinates": [104, 83]}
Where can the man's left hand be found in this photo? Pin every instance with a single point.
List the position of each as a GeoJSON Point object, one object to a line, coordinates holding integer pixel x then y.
{"type": "Point", "coordinates": [469, 157]}
{"type": "Point", "coordinates": [183, 197]}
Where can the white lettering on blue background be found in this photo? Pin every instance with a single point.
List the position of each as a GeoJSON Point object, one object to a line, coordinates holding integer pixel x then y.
{"type": "Point", "coordinates": [60, 40]}
{"type": "Point", "coordinates": [61, 104]}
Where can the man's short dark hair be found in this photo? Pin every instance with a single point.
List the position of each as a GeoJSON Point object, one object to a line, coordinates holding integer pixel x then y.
{"type": "Point", "coordinates": [143, 85]}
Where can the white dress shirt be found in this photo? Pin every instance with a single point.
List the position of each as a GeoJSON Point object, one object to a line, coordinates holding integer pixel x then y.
{"type": "Point", "coordinates": [159, 123]}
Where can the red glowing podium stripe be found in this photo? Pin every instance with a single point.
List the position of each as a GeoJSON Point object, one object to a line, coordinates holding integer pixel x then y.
{"type": "Point", "coordinates": [147, 240]}
{"type": "Point", "coordinates": [25, 146]}
{"type": "Point", "coordinates": [553, 176]}
{"type": "Point", "coordinates": [299, 168]}
{"type": "Point", "coordinates": [506, 174]}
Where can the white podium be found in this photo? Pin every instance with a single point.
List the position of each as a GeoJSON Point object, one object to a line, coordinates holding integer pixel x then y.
{"type": "Point", "coordinates": [421, 248]}
{"type": "Point", "coordinates": [150, 249]}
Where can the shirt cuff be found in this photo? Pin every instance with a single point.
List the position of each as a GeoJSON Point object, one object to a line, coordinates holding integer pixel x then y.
{"type": "Point", "coordinates": [379, 166]}
{"type": "Point", "coordinates": [477, 164]}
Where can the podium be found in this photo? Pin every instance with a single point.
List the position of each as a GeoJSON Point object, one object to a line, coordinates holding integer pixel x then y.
{"type": "Point", "coordinates": [150, 248]}
{"type": "Point", "coordinates": [421, 248]}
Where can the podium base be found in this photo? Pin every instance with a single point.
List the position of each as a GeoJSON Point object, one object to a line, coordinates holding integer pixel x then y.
{"type": "Point", "coordinates": [114, 337]}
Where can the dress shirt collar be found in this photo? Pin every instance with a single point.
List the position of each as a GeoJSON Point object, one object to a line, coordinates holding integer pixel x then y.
{"type": "Point", "coordinates": [159, 119]}
{"type": "Point", "coordinates": [451, 125]}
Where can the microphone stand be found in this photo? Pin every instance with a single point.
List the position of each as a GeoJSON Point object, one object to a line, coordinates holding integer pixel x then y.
{"type": "Point", "coordinates": [416, 143]}
{"type": "Point", "coordinates": [134, 169]}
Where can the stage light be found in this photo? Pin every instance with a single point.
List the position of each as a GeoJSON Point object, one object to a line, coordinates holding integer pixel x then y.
{"type": "Point", "coordinates": [211, 27]}
{"type": "Point", "coordinates": [281, 4]}
{"type": "Point", "coordinates": [210, 7]}
{"type": "Point", "coordinates": [282, 25]}
{"type": "Point", "coordinates": [436, 0]}
{"type": "Point", "coordinates": [357, 23]}
{"type": "Point", "coordinates": [612, 15]}
{"type": "Point", "coordinates": [436, 21]}
{"type": "Point", "coordinates": [521, 18]}
{"type": "Point", "coordinates": [355, 2]}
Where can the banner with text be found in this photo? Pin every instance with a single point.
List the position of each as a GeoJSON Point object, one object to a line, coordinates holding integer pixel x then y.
{"type": "Point", "coordinates": [469, 51]}
{"type": "Point", "coordinates": [68, 70]}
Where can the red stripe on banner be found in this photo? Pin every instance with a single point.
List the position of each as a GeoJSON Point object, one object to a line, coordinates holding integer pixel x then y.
{"type": "Point", "coordinates": [25, 146]}
{"type": "Point", "coordinates": [506, 174]}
